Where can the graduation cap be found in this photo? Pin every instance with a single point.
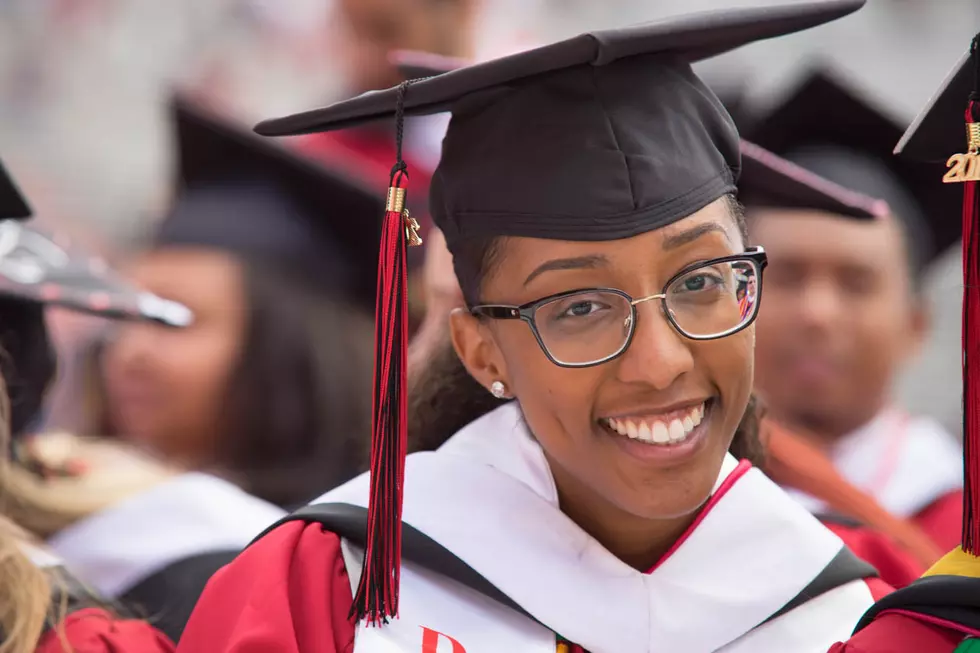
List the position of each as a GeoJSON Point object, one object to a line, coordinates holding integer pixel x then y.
{"type": "Point", "coordinates": [834, 130]}
{"type": "Point", "coordinates": [938, 134]}
{"type": "Point", "coordinates": [37, 268]}
{"type": "Point", "coordinates": [13, 206]}
{"type": "Point", "coordinates": [254, 198]}
{"type": "Point", "coordinates": [765, 179]}
{"type": "Point", "coordinates": [603, 136]}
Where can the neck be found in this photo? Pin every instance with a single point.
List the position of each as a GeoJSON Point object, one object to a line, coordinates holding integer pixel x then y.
{"type": "Point", "coordinates": [639, 542]}
{"type": "Point", "coordinates": [825, 431]}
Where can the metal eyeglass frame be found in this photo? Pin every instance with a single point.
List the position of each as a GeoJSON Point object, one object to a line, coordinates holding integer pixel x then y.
{"type": "Point", "coordinates": [526, 312]}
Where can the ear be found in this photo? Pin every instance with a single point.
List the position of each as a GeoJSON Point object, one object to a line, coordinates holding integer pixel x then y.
{"type": "Point", "coordinates": [920, 324]}
{"type": "Point", "coordinates": [477, 349]}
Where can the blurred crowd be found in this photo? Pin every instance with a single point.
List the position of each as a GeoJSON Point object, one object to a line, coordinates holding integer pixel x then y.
{"type": "Point", "coordinates": [245, 352]}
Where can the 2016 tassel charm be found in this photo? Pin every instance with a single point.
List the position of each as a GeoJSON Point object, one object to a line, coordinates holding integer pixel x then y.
{"type": "Point", "coordinates": [966, 167]}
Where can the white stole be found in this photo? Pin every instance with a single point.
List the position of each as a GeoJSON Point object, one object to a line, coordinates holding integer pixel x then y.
{"type": "Point", "coordinates": [489, 497]}
{"type": "Point", "coordinates": [187, 515]}
{"type": "Point", "coordinates": [906, 463]}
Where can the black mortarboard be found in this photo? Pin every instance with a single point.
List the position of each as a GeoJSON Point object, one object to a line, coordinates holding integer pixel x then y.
{"type": "Point", "coordinates": [603, 136]}
{"type": "Point", "coordinates": [254, 198]}
{"type": "Point", "coordinates": [13, 206]}
{"type": "Point", "coordinates": [765, 179]}
{"type": "Point", "coordinates": [598, 137]}
{"type": "Point", "coordinates": [832, 129]}
{"type": "Point", "coordinates": [935, 133]}
{"type": "Point", "coordinates": [948, 130]}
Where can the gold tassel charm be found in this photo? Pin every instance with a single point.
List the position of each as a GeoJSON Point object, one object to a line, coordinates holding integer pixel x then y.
{"type": "Point", "coordinates": [396, 204]}
{"type": "Point", "coordinates": [411, 230]}
{"type": "Point", "coordinates": [965, 167]}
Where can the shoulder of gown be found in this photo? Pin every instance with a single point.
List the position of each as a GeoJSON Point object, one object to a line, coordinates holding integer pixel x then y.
{"type": "Point", "coordinates": [942, 520]}
{"type": "Point", "coordinates": [895, 632]}
{"type": "Point", "coordinates": [896, 566]}
{"type": "Point", "coordinates": [288, 592]}
{"type": "Point", "coordinates": [94, 630]}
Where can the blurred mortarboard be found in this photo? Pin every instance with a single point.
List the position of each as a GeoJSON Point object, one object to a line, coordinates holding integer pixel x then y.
{"type": "Point", "coordinates": [254, 198]}
{"type": "Point", "coordinates": [36, 272]}
{"type": "Point", "coordinates": [765, 177]}
{"type": "Point", "coordinates": [834, 130]}
{"type": "Point", "coordinates": [13, 206]}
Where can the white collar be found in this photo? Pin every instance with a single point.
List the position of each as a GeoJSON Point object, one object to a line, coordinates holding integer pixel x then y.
{"type": "Point", "coordinates": [489, 497]}
{"type": "Point", "coordinates": [906, 463]}
{"type": "Point", "coordinates": [189, 514]}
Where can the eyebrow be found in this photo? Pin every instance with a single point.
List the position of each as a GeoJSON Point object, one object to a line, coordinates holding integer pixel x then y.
{"type": "Point", "coordinates": [688, 236]}
{"type": "Point", "coordinates": [591, 261]}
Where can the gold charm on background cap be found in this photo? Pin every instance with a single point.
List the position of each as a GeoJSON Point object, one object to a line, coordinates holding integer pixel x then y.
{"type": "Point", "coordinates": [965, 167]}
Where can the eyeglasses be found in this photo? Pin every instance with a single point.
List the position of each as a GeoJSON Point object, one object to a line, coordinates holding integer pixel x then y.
{"type": "Point", "coordinates": [704, 301]}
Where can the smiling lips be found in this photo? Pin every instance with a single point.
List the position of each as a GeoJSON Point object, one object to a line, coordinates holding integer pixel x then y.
{"type": "Point", "coordinates": [669, 428]}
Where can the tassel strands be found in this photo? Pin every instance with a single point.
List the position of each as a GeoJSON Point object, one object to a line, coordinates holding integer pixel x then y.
{"type": "Point", "coordinates": [376, 599]}
{"type": "Point", "coordinates": [965, 168]}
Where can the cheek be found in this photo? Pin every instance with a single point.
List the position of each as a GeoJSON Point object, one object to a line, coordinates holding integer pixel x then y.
{"type": "Point", "coordinates": [556, 401]}
{"type": "Point", "coordinates": [730, 364]}
{"type": "Point", "coordinates": [209, 358]}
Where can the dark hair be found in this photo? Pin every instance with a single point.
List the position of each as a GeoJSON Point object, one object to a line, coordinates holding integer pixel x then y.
{"type": "Point", "coordinates": [444, 398]}
{"type": "Point", "coordinates": [300, 399]}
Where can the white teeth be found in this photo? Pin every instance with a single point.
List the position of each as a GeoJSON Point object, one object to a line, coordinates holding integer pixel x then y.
{"type": "Point", "coordinates": [656, 431]}
{"type": "Point", "coordinates": [644, 433]}
{"type": "Point", "coordinates": [660, 434]}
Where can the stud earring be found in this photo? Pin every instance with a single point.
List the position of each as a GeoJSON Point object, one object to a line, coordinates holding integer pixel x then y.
{"type": "Point", "coordinates": [498, 389]}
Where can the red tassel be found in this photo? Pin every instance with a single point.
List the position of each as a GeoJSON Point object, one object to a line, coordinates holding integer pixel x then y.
{"type": "Point", "coordinates": [376, 599]}
{"type": "Point", "coordinates": [971, 356]}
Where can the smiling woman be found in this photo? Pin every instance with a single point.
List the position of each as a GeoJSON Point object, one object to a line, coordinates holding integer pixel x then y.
{"type": "Point", "coordinates": [586, 195]}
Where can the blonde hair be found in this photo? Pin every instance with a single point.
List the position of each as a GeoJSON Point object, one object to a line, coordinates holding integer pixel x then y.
{"type": "Point", "coordinates": [26, 600]}
{"type": "Point", "coordinates": [63, 479]}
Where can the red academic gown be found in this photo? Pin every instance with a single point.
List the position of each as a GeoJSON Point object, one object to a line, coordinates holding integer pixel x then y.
{"type": "Point", "coordinates": [942, 520]}
{"type": "Point", "coordinates": [899, 633]}
{"type": "Point", "coordinates": [288, 593]}
{"type": "Point", "coordinates": [93, 630]}
{"type": "Point", "coordinates": [896, 566]}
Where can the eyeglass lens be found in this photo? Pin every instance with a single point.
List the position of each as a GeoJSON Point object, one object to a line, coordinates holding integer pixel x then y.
{"type": "Point", "coordinates": [710, 301]}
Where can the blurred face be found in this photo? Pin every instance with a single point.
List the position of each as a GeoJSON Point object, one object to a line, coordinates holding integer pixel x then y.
{"type": "Point", "coordinates": [582, 416]}
{"type": "Point", "coordinates": [838, 317]}
{"type": "Point", "coordinates": [166, 387]}
{"type": "Point", "coordinates": [376, 27]}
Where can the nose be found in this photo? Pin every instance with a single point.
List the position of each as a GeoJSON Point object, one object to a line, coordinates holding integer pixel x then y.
{"type": "Point", "coordinates": [819, 305]}
{"type": "Point", "coordinates": [658, 354]}
{"type": "Point", "coordinates": [131, 344]}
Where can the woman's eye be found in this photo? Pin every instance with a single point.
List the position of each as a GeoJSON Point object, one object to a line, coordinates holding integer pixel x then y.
{"type": "Point", "coordinates": [699, 282]}
{"type": "Point", "coordinates": [581, 309]}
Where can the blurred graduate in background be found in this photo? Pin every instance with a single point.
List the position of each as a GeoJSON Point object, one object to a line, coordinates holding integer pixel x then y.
{"type": "Point", "coordinates": [844, 308]}
{"type": "Point", "coordinates": [46, 608]}
{"type": "Point", "coordinates": [270, 385]}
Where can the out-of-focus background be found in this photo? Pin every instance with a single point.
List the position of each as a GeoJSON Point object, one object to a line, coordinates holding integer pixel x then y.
{"type": "Point", "coordinates": [84, 87]}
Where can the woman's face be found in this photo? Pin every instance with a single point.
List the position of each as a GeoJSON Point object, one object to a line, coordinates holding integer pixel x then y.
{"type": "Point", "coordinates": [166, 387]}
{"type": "Point", "coordinates": [662, 377]}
